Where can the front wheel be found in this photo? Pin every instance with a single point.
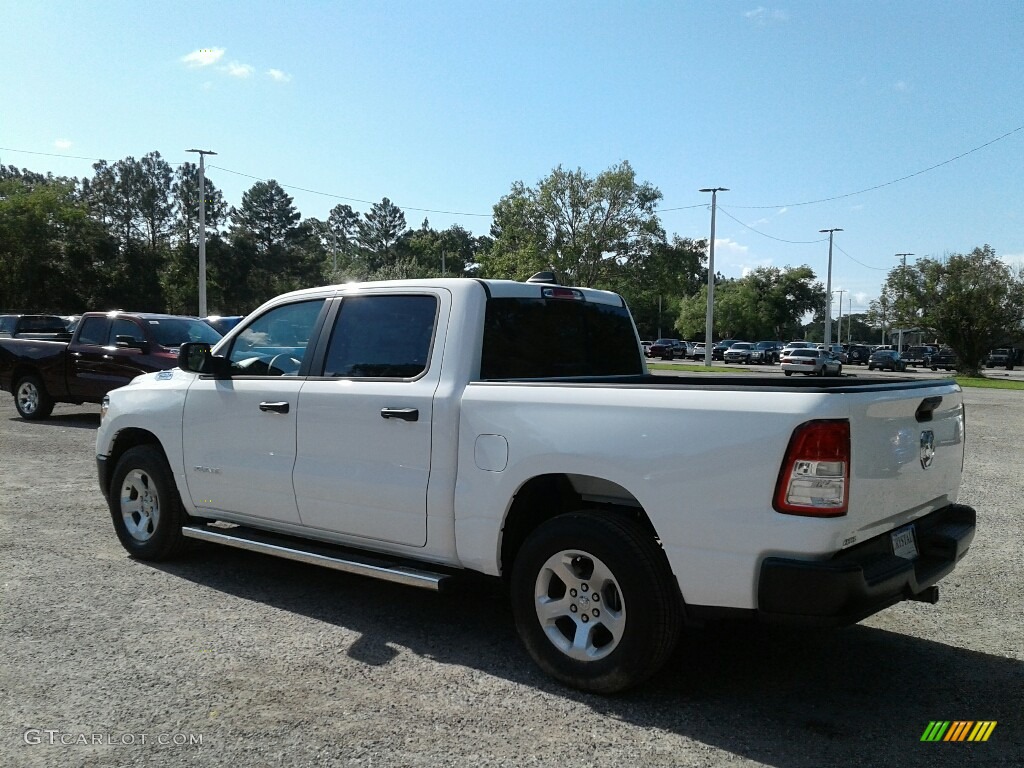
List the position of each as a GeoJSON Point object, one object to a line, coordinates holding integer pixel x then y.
{"type": "Point", "coordinates": [788, 373]}
{"type": "Point", "coordinates": [871, 367]}
{"type": "Point", "coordinates": [595, 602]}
{"type": "Point", "coordinates": [31, 399]}
{"type": "Point", "coordinates": [145, 506]}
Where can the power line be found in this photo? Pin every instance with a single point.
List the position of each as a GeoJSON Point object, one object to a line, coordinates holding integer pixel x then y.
{"type": "Point", "coordinates": [962, 155]}
{"type": "Point", "coordinates": [894, 181]}
{"type": "Point", "coordinates": [770, 237]}
{"type": "Point", "coordinates": [353, 199]}
{"type": "Point", "coordinates": [866, 266]}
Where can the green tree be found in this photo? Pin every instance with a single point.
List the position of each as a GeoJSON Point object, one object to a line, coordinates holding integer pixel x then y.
{"type": "Point", "coordinates": [973, 301]}
{"type": "Point", "coordinates": [769, 303]}
{"type": "Point", "coordinates": [582, 227]}
{"type": "Point", "coordinates": [378, 234]}
{"type": "Point", "coordinates": [53, 256]}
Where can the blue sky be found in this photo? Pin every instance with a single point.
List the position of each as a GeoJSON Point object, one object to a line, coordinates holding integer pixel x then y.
{"type": "Point", "coordinates": [443, 105]}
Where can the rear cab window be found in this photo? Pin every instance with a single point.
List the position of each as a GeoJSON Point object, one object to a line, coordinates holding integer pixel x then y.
{"type": "Point", "coordinates": [527, 338]}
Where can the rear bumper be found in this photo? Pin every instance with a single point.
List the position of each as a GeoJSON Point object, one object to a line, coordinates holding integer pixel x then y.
{"type": "Point", "coordinates": [866, 578]}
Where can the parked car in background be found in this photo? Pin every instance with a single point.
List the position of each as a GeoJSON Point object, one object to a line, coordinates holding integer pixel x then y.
{"type": "Point", "coordinates": [682, 349]}
{"type": "Point", "coordinates": [915, 356]}
{"type": "Point", "coordinates": [223, 323]}
{"type": "Point", "coordinates": [766, 352]}
{"type": "Point", "coordinates": [837, 351]}
{"type": "Point", "coordinates": [107, 350]}
{"type": "Point", "coordinates": [664, 348]}
{"type": "Point", "coordinates": [1000, 357]}
{"type": "Point", "coordinates": [646, 345]}
{"type": "Point", "coordinates": [945, 359]}
{"type": "Point", "coordinates": [697, 353]}
{"type": "Point", "coordinates": [886, 360]}
{"type": "Point", "coordinates": [718, 351]}
{"type": "Point", "coordinates": [811, 362]}
{"type": "Point", "coordinates": [857, 354]}
{"type": "Point", "coordinates": [795, 345]}
{"type": "Point", "coordinates": [740, 352]}
{"type": "Point", "coordinates": [41, 327]}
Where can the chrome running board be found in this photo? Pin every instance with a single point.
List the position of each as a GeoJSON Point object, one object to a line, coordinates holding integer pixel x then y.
{"type": "Point", "coordinates": [314, 553]}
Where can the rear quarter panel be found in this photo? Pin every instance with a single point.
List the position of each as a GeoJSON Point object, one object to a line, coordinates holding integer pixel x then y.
{"type": "Point", "coordinates": [703, 464]}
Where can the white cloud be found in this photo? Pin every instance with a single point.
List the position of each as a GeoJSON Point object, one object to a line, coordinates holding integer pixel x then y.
{"type": "Point", "coordinates": [762, 15]}
{"type": "Point", "coordinates": [238, 70]}
{"type": "Point", "coordinates": [782, 211]}
{"type": "Point", "coordinates": [203, 57]}
{"type": "Point", "coordinates": [860, 298]}
{"type": "Point", "coordinates": [901, 85]}
{"type": "Point", "coordinates": [62, 144]}
{"type": "Point", "coordinates": [278, 76]}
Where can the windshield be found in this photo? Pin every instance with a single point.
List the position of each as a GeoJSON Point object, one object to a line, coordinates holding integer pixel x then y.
{"type": "Point", "coordinates": [175, 331]}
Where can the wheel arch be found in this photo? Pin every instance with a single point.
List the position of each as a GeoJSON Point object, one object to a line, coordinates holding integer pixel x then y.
{"type": "Point", "coordinates": [130, 438]}
{"type": "Point", "coordinates": [543, 497]}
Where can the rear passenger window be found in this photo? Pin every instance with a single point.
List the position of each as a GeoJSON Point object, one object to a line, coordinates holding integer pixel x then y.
{"type": "Point", "coordinates": [382, 337]}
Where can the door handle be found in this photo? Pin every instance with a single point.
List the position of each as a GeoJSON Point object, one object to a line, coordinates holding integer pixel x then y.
{"type": "Point", "coordinates": [275, 407]}
{"type": "Point", "coordinates": [405, 414]}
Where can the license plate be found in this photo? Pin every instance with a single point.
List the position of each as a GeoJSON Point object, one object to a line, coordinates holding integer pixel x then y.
{"type": "Point", "coordinates": [903, 544]}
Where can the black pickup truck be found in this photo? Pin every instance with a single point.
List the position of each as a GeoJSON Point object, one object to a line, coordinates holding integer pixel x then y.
{"type": "Point", "coordinates": [107, 350]}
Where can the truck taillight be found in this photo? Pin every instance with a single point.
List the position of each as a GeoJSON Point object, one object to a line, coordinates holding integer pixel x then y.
{"type": "Point", "coordinates": [815, 475]}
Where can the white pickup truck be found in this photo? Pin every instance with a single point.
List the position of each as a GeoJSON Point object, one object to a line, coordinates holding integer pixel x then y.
{"type": "Point", "coordinates": [415, 430]}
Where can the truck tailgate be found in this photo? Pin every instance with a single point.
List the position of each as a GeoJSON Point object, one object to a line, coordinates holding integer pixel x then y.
{"type": "Point", "coordinates": [906, 456]}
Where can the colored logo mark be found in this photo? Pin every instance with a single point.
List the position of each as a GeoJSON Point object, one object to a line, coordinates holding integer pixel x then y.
{"type": "Point", "coordinates": [958, 730]}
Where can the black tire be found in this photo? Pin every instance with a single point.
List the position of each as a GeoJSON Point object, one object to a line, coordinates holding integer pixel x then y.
{"type": "Point", "coordinates": [788, 373]}
{"type": "Point", "coordinates": [142, 490]}
{"type": "Point", "coordinates": [31, 399]}
{"type": "Point", "coordinates": [871, 367]}
{"type": "Point", "coordinates": [637, 580]}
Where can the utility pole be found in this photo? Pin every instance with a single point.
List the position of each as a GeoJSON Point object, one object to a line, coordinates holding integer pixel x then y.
{"type": "Point", "coordinates": [839, 325]}
{"type": "Point", "coordinates": [828, 287]}
{"type": "Point", "coordinates": [903, 295]}
{"type": "Point", "coordinates": [202, 228]}
{"type": "Point", "coordinates": [849, 325]}
{"type": "Point", "coordinates": [710, 318]}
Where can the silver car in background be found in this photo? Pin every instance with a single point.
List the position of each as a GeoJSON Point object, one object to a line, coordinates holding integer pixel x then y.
{"type": "Point", "coordinates": [811, 362]}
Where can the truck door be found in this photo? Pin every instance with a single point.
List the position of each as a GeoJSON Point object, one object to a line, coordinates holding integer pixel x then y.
{"type": "Point", "coordinates": [238, 434]}
{"type": "Point", "coordinates": [87, 355]}
{"type": "Point", "coordinates": [364, 425]}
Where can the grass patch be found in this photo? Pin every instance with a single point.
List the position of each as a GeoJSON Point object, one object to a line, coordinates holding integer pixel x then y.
{"type": "Point", "coordinates": [691, 368]}
{"type": "Point", "coordinates": [986, 383]}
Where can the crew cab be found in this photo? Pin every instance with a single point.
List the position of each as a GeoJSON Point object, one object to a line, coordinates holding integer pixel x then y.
{"type": "Point", "coordinates": [418, 430]}
{"type": "Point", "coordinates": [106, 351]}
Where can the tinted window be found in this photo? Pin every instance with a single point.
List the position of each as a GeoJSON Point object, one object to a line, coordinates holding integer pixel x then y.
{"type": "Point", "coordinates": [382, 337]}
{"type": "Point", "coordinates": [122, 327]}
{"type": "Point", "coordinates": [276, 342]}
{"type": "Point", "coordinates": [175, 331]}
{"type": "Point", "coordinates": [536, 338]}
{"type": "Point", "coordinates": [94, 331]}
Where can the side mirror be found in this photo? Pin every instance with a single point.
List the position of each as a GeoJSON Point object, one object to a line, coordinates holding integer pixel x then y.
{"type": "Point", "coordinates": [195, 357]}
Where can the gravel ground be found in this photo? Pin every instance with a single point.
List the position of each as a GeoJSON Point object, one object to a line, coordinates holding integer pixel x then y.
{"type": "Point", "coordinates": [232, 658]}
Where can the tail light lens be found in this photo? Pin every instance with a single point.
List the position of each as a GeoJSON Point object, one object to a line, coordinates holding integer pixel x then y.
{"type": "Point", "coordinates": [815, 475]}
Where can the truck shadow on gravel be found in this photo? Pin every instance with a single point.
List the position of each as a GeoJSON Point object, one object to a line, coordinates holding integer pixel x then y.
{"type": "Point", "coordinates": [788, 698]}
{"type": "Point", "coordinates": [74, 420]}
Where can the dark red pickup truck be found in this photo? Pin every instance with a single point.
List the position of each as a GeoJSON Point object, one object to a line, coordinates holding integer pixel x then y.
{"type": "Point", "coordinates": [107, 350]}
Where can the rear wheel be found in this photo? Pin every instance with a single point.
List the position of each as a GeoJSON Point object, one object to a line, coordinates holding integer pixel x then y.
{"type": "Point", "coordinates": [145, 506]}
{"type": "Point", "coordinates": [788, 373]}
{"type": "Point", "coordinates": [31, 399]}
{"type": "Point", "coordinates": [595, 602]}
